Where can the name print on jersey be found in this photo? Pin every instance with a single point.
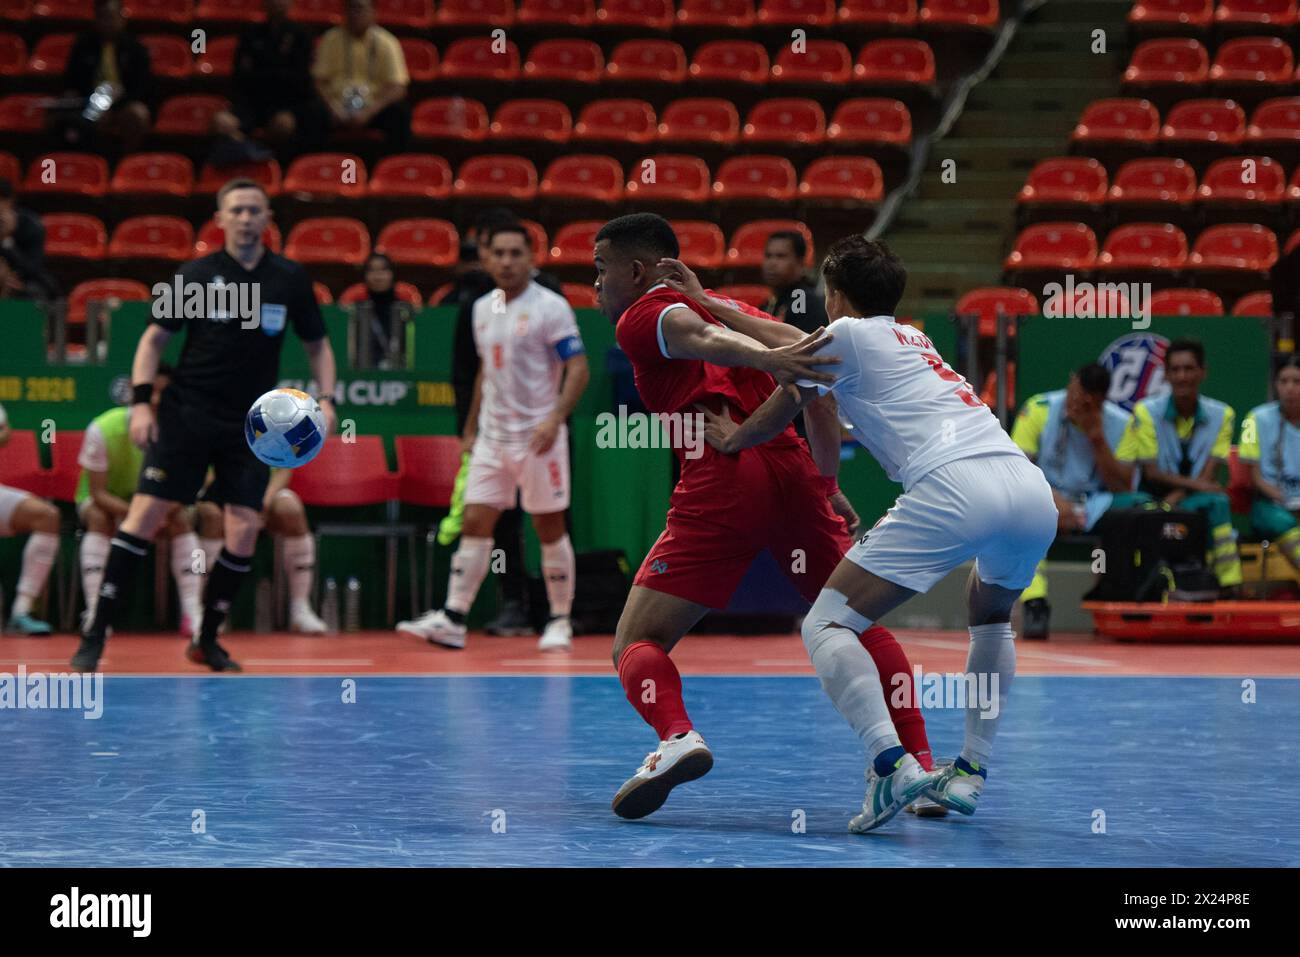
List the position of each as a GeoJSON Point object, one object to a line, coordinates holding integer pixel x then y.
{"type": "Point", "coordinates": [217, 301]}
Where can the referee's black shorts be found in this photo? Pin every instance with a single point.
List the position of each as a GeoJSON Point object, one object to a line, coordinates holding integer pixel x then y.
{"type": "Point", "coordinates": [190, 439]}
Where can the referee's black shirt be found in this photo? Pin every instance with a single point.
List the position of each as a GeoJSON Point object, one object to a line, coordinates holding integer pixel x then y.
{"type": "Point", "coordinates": [223, 367]}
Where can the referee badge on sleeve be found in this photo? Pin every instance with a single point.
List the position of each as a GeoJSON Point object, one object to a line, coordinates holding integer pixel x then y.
{"type": "Point", "coordinates": [272, 318]}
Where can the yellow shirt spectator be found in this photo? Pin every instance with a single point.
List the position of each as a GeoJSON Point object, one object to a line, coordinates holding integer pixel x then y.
{"type": "Point", "coordinates": [369, 62]}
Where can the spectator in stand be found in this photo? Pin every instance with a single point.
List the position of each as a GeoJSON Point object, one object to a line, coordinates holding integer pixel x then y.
{"type": "Point", "coordinates": [795, 298]}
{"type": "Point", "coordinates": [381, 318]}
{"type": "Point", "coordinates": [360, 73]}
{"type": "Point", "coordinates": [1285, 283]}
{"type": "Point", "coordinates": [22, 249]}
{"type": "Point", "coordinates": [108, 68]}
{"type": "Point", "coordinates": [273, 92]}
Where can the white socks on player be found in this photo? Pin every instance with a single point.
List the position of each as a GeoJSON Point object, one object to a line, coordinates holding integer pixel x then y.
{"type": "Point", "coordinates": [38, 559]}
{"type": "Point", "coordinates": [469, 566]}
{"type": "Point", "coordinates": [848, 675]}
{"type": "Point", "coordinates": [299, 556]}
{"type": "Point", "coordinates": [211, 549]}
{"type": "Point", "coordinates": [188, 582]}
{"type": "Point", "coordinates": [558, 570]}
{"type": "Point", "coordinates": [993, 653]}
{"type": "Point", "coordinates": [94, 556]}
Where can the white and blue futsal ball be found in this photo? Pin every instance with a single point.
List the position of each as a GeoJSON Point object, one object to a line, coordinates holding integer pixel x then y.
{"type": "Point", "coordinates": [285, 428]}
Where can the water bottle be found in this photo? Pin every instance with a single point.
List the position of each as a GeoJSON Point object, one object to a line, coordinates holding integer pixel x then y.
{"type": "Point", "coordinates": [352, 605]}
{"type": "Point", "coordinates": [329, 606]}
{"type": "Point", "coordinates": [262, 607]}
{"type": "Point", "coordinates": [100, 102]}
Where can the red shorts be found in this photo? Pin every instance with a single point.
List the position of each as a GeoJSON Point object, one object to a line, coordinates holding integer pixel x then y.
{"type": "Point", "coordinates": [728, 508]}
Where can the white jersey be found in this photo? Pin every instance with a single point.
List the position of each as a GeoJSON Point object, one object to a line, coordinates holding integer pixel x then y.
{"type": "Point", "coordinates": [523, 345]}
{"type": "Point", "coordinates": [906, 405]}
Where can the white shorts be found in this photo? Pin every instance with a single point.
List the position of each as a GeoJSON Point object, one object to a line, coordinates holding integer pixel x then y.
{"type": "Point", "coordinates": [499, 473]}
{"type": "Point", "coordinates": [10, 499]}
{"type": "Point", "coordinates": [997, 509]}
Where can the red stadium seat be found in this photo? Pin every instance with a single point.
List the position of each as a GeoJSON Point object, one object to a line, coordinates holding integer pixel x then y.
{"type": "Point", "coordinates": [669, 177]}
{"type": "Point", "coordinates": [733, 14]}
{"type": "Point", "coordinates": [267, 173]}
{"type": "Point", "coordinates": [786, 120]}
{"type": "Point", "coordinates": [152, 237]}
{"type": "Point", "coordinates": [751, 294]}
{"type": "Point", "coordinates": [895, 61]}
{"type": "Point", "coordinates": [1145, 246]}
{"type": "Point", "coordinates": [573, 244]}
{"type": "Point", "coordinates": [538, 239]}
{"type": "Point", "coordinates": [478, 13]}
{"type": "Point", "coordinates": [412, 175]}
{"type": "Point", "coordinates": [20, 466]}
{"type": "Point", "coordinates": [1168, 60]}
{"type": "Point", "coordinates": [22, 113]}
{"type": "Point", "coordinates": [218, 58]}
{"type": "Point", "coordinates": [410, 14]}
{"type": "Point", "coordinates": [837, 178]}
{"type": "Point", "coordinates": [569, 61]}
{"type": "Point", "coordinates": [749, 241]}
{"type": "Point", "coordinates": [642, 14]}
{"type": "Point", "coordinates": [329, 239]}
{"type": "Point", "coordinates": [13, 54]}
{"type": "Point", "coordinates": [169, 57]}
{"type": "Point", "coordinates": [498, 177]}
{"type": "Point", "coordinates": [158, 11]}
{"type": "Point", "coordinates": [327, 174]}
{"type": "Point", "coordinates": [702, 244]}
{"type": "Point", "coordinates": [1272, 13]}
{"type": "Point", "coordinates": [10, 168]}
{"type": "Point", "coordinates": [1293, 191]}
{"type": "Point", "coordinates": [344, 474]}
{"type": "Point", "coordinates": [189, 115]}
{"type": "Point", "coordinates": [74, 236]}
{"type": "Point", "coordinates": [987, 302]}
{"type": "Point", "coordinates": [1226, 181]}
{"type": "Point", "coordinates": [153, 174]}
{"type": "Point", "coordinates": [421, 58]}
{"type": "Point", "coordinates": [1254, 304]}
{"type": "Point", "coordinates": [1275, 120]}
{"type": "Point", "coordinates": [16, 10]}
{"type": "Point", "coordinates": [427, 466]}
{"type": "Point", "coordinates": [231, 11]}
{"type": "Point", "coordinates": [473, 58]}
{"type": "Point", "coordinates": [317, 12]}
{"type": "Point", "coordinates": [65, 471]}
{"type": "Point", "coordinates": [824, 61]}
{"type": "Point", "coordinates": [80, 173]}
{"type": "Point", "coordinates": [1186, 13]}
{"type": "Point", "coordinates": [1125, 120]}
{"type": "Point", "coordinates": [1235, 246]}
{"type": "Point", "coordinates": [404, 291]}
{"type": "Point", "coordinates": [981, 14]}
{"type": "Point", "coordinates": [1154, 181]}
{"type": "Point", "coordinates": [796, 13]}
{"type": "Point", "coordinates": [731, 61]}
{"type": "Point", "coordinates": [1292, 243]}
{"type": "Point", "coordinates": [654, 61]}
{"type": "Point", "coordinates": [64, 10]}
{"type": "Point", "coordinates": [1065, 179]}
{"type": "Point", "coordinates": [628, 121]}
{"type": "Point", "coordinates": [568, 13]}
{"type": "Point", "coordinates": [322, 293]}
{"type": "Point", "coordinates": [871, 120]}
{"type": "Point", "coordinates": [700, 120]}
{"type": "Point", "coordinates": [1054, 246]}
{"type": "Point", "coordinates": [50, 54]}
{"type": "Point", "coordinates": [1186, 302]}
{"type": "Point", "coordinates": [1205, 121]}
{"type": "Point", "coordinates": [884, 13]}
{"type": "Point", "coordinates": [1264, 60]}
{"type": "Point", "coordinates": [110, 291]}
{"type": "Point", "coordinates": [450, 118]}
{"type": "Point", "coordinates": [580, 295]}
{"type": "Point", "coordinates": [745, 178]}
{"type": "Point", "coordinates": [546, 120]}
{"type": "Point", "coordinates": [583, 176]}
{"type": "Point", "coordinates": [212, 237]}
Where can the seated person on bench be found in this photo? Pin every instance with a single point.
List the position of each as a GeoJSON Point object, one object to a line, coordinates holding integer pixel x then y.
{"type": "Point", "coordinates": [1270, 447]}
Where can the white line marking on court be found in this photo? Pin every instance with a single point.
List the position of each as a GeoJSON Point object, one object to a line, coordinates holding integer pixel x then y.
{"type": "Point", "coordinates": [103, 754]}
{"type": "Point", "coordinates": [312, 662]}
{"type": "Point", "coordinates": [782, 663]}
{"type": "Point", "coordinates": [1021, 649]}
{"type": "Point", "coordinates": [822, 847]}
{"type": "Point", "coordinates": [549, 662]}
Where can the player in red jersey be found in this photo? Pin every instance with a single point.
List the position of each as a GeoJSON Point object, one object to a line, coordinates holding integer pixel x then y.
{"type": "Point", "coordinates": [726, 509]}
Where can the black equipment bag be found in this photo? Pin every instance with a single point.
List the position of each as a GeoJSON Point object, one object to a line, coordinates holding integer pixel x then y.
{"type": "Point", "coordinates": [1152, 554]}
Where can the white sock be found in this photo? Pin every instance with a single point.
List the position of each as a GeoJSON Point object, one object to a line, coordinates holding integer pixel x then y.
{"type": "Point", "coordinates": [38, 559]}
{"type": "Point", "coordinates": [299, 556]}
{"type": "Point", "coordinates": [188, 582]}
{"type": "Point", "coordinates": [94, 556]}
{"type": "Point", "coordinates": [558, 570]}
{"type": "Point", "coordinates": [211, 549]}
{"type": "Point", "coordinates": [469, 566]}
{"type": "Point", "coordinates": [993, 654]}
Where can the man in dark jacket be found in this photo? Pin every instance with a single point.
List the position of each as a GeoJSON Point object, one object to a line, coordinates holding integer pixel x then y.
{"type": "Point", "coordinates": [108, 59]}
{"type": "Point", "coordinates": [22, 247]}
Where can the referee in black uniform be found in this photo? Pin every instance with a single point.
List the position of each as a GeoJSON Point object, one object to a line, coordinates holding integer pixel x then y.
{"type": "Point", "coordinates": [230, 357]}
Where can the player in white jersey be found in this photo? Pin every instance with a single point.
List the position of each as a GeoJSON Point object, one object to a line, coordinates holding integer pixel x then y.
{"type": "Point", "coordinates": [968, 492]}
{"type": "Point", "coordinates": [22, 513]}
{"type": "Point", "coordinates": [527, 338]}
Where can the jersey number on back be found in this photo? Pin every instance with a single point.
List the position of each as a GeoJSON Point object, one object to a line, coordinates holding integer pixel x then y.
{"type": "Point", "coordinates": [964, 391]}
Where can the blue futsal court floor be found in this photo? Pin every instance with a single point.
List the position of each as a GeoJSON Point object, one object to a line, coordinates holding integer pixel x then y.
{"type": "Point", "coordinates": [519, 771]}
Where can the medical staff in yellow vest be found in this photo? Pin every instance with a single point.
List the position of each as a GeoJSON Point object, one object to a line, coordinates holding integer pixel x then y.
{"type": "Point", "coordinates": [1180, 443]}
{"type": "Point", "coordinates": [1270, 447]}
{"type": "Point", "coordinates": [1072, 435]}
{"type": "Point", "coordinates": [110, 468]}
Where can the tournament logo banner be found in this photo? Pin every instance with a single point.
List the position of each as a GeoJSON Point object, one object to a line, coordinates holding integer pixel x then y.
{"type": "Point", "coordinates": [1137, 368]}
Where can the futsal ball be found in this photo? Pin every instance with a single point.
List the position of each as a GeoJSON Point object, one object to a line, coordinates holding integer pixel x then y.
{"type": "Point", "coordinates": [285, 428]}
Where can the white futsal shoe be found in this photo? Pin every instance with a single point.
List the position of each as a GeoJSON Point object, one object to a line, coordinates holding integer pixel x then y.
{"type": "Point", "coordinates": [305, 621]}
{"type": "Point", "coordinates": [924, 806]}
{"type": "Point", "coordinates": [557, 636]}
{"type": "Point", "coordinates": [887, 795]}
{"type": "Point", "coordinates": [957, 789]}
{"type": "Point", "coordinates": [436, 628]}
{"type": "Point", "coordinates": [678, 760]}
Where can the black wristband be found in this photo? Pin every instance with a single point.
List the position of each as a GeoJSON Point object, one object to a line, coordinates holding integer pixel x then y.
{"type": "Point", "coordinates": [142, 392]}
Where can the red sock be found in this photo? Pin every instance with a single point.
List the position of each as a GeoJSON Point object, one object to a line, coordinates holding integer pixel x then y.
{"type": "Point", "coordinates": [654, 687]}
{"type": "Point", "coordinates": [891, 660]}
